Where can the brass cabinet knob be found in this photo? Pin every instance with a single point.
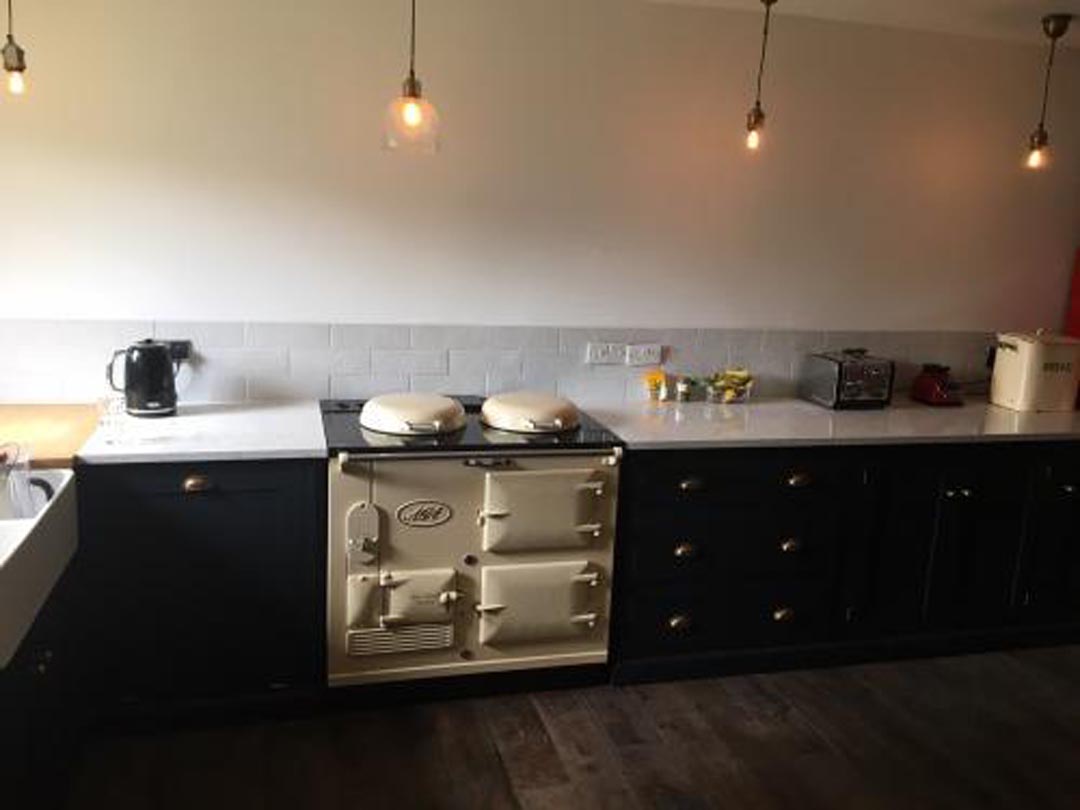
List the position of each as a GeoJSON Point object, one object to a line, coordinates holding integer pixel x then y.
{"type": "Point", "coordinates": [798, 479]}
{"type": "Point", "coordinates": [679, 623]}
{"type": "Point", "coordinates": [783, 615]}
{"type": "Point", "coordinates": [1068, 489]}
{"type": "Point", "coordinates": [691, 484]}
{"type": "Point", "coordinates": [197, 483]}
{"type": "Point", "coordinates": [963, 492]}
{"type": "Point", "coordinates": [684, 551]}
{"type": "Point", "coordinates": [791, 545]}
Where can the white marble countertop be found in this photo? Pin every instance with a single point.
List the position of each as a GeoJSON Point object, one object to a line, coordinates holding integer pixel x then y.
{"type": "Point", "coordinates": [789, 422]}
{"type": "Point", "coordinates": [233, 432]}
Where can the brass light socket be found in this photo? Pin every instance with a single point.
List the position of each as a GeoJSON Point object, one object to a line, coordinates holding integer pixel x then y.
{"type": "Point", "coordinates": [755, 119]}
{"type": "Point", "coordinates": [411, 87]}
{"type": "Point", "coordinates": [14, 56]}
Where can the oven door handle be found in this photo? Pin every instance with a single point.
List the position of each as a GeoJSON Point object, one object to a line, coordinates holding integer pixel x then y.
{"type": "Point", "coordinates": [587, 619]}
{"type": "Point", "coordinates": [595, 529]}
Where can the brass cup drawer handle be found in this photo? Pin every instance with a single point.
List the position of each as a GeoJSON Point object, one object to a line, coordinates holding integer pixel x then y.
{"type": "Point", "coordinates": [197, 483]}
{"type": "Point", "coordinates": [798, 479]}
{"type": "Point", "coordinates": [791, 545]}
{"type": "Point", "coordinates": [691, 484]}
{"type": "Point", "coordinates": [1069, 489]}
{"type": "Point", "coordinates": [963, 492]}
{"type": "Point", "coordinates": [684, 551]}
{"type": "Point", "coordinates": [679, 623]}
{"type": "Point", "coordinates": [783, 615]}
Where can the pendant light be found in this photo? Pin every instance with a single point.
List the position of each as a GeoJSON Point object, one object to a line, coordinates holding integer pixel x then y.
{"type": "Point", "coordinates": [1054, 26]}
{"type": "Point", "coordinates": [14, 58]}
{"type": "Point", "coordinates": [412, 122]}
{"type": "Point", "coordinates": [755, 119]}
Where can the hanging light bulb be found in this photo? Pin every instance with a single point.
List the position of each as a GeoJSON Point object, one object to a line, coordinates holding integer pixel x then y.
{"type": "Point", "coordinates": [412, 122]}
{"type": "Point", "coordinates": [1054, 26]}
{"type": "Point", "coordinates": [14, 59]}
{"type": "Point", "coordinates": [755, 119]}
{"type": "Point", "coordinates": [1036, 158]}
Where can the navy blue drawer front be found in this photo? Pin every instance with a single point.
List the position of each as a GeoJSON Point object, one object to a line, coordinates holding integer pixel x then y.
{"type": "Point", "coordinates": [736, 476]}
{"type": "Point", "coordinates": [729, 542]}
{"type": "Point", "coordinates": [766, 614]}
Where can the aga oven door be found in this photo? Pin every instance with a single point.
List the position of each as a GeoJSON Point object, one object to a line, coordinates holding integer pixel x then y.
{"type": "Point", "coordinates": [528, 510]}
{"type": "Point", "coordinates": [535, 603]}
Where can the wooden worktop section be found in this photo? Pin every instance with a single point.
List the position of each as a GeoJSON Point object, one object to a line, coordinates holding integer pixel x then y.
{"type": "Point", "coordinates": [53, 433]}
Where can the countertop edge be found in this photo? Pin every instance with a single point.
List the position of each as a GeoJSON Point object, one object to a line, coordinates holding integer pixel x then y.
{"type": "Point", "coordinates": [869, 441]}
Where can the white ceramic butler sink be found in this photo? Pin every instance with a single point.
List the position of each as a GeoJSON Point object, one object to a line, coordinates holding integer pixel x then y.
{"type": "Point", "coordinates": [33, 554]}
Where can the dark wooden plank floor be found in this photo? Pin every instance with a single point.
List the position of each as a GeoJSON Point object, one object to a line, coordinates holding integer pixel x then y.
{"type": "Point", "coordinates": [1000, 730]}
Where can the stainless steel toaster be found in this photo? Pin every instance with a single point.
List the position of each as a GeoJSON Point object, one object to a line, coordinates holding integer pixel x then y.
{"type": "Point", "coordinates": [846, 379]}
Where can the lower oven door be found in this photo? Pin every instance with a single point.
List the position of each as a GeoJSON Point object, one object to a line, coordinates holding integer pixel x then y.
{"type": "Point", "coordinates": [539, 602]}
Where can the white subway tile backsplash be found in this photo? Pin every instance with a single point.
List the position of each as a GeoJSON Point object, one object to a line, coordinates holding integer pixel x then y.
{"type": "Point", "coordinates": [300, 386]}
{"type": "Point", "coordinates": [244, 361]}
{"type": "Point", "coordinates": [473, 382]}
{"type": "Point", "coordinates": [408, 361]}
{"type": "Point", "coordinates": [65, 360]}
{"type": "Point", "coordinates": [352, 335]}
{"type": "Point", "coordinates": [287, 335]}
{"type": "Point", "coordinates": [203, 334]}
{"type": "Point", "coordinates": [364, 386]}
{"type": "Point", "coordinates": [485, 337]}
{"type": "Point", "coordinates": [506, 362]}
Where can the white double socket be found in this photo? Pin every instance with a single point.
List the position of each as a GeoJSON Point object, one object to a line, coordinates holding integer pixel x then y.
{"type": "Point", "coordinates": [618, 354]}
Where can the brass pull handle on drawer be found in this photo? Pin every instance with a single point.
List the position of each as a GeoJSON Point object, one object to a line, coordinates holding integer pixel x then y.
{"type": "Point", "coordinates": [679, 623]}
{"type": "Point", "coordinates": [1069, 489]}
{"type": "Point", "coordinates": [684, 551]}
{"type": "Point", "coordinates": [691, 484]}
{"type": "Point", "coordinates": [791, 545]}
{"type": "Point", "coordinates": [783, 615]}
{"type": "Point", "coordinates": [197, 483]}
{"type": "Point", "coordinates": [798, 479]}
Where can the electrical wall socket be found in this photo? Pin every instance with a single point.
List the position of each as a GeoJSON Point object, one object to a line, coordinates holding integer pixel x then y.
{"type": "Point", "coordinates": [644, 354]}
{"type": "Point", "coordinates": [605, 354]}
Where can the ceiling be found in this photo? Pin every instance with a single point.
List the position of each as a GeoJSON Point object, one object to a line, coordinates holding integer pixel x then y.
{"type": "Point", "coordinates": [1016, 20]}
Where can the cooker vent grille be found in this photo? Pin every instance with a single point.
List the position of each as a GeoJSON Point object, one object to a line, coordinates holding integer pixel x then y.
{"type": "Point", "coordinates": [411, 638]}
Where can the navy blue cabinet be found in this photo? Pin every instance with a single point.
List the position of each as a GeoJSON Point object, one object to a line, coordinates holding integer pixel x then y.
{"type": "Point", "coordinates": [812, 554]}
{"type": "Point", "coordinates": [1048, 588]}
{"type": "Point", "coordinates": [37, 735]}
{"type": "Point", "coordinates": [200, 580]}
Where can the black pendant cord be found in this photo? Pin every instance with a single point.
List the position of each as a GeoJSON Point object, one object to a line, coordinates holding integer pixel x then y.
{"type": "Point", "coordinates": [412, 42]}
{"type": "Point", "coordinates": [10, 20]}
{"type": "Point", "coordinates": [1046, 84]}
{"type": "Point", "coordinates": [764, 45]}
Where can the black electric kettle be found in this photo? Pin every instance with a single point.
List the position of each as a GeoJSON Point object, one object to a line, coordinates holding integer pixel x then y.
{"type": "Point", "coordinates": [149, 378]}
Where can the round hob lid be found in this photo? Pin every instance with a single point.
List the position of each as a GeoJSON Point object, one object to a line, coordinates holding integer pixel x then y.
{"type": "Point", "coordinates": [529, 412]}
{"type": "Point", "coordinates": [412, 414]}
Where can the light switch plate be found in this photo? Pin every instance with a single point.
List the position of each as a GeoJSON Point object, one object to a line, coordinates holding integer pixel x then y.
{"type": "Point", "coordinates": [644, 354]}
{"type": "Point", "coordinates": [605, 354]}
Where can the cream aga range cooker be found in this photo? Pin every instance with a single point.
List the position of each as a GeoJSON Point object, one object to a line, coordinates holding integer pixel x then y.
{"type": "Point", "coordinates": [467, 538]}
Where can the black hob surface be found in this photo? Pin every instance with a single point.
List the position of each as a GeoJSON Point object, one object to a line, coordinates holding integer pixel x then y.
{"type": "Point", "coordinates": [341, 423]}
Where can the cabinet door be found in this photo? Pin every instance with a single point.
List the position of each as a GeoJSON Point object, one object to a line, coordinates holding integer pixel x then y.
{"type": "Point", "coordinates": [887, 573]}
{"type": "Point", "coordinates": [202, 580]}
{"type": "Point", "coordinates": [978, 526]}
{"type": "Point", "coordinates": [1049, 590]}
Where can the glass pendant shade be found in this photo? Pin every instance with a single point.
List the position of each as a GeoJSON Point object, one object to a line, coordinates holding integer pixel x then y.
{"type": "Point", "coordinates": [412, 125]}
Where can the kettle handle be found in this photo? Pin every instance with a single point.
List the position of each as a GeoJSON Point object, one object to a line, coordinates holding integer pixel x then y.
{"type": "Point", "coordinates": [109, 370]}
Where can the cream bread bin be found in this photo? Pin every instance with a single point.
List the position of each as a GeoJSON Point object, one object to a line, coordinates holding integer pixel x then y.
{"type": "Point", "coordinates": [1036, 372]}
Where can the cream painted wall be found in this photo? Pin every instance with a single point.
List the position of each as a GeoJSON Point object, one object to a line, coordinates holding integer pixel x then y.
{"type": "Point", "coordinates": [221, 160]}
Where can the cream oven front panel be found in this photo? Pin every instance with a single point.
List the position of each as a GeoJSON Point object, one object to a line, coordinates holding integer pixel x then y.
{"type": "Point", "coordinates": [422, 552]}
